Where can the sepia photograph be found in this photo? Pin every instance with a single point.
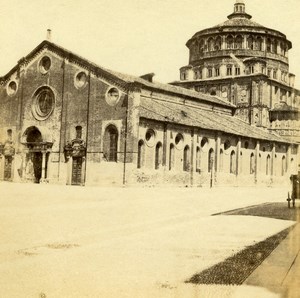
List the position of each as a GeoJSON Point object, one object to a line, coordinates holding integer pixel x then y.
{"type": "Point", "coordinates": [150, 149]}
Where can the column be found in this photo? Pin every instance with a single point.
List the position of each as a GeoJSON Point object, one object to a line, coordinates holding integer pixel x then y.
{"type": "Point", "coordinates": [256, 161]}
{"type": "Point", "coordinates": [43, 178]}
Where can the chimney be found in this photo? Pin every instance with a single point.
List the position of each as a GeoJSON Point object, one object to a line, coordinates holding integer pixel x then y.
{"type": "Point", "coordinates": [49, 34]}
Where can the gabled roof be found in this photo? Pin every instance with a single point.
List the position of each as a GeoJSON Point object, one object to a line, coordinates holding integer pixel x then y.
{"type": "Point", "coordinates": [203, 119]}
{"type": "Point", "coordinates": [119, 78]}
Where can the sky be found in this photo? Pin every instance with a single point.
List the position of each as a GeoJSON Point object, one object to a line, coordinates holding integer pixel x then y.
{"type": "Point", "coordinates": [133, 36]}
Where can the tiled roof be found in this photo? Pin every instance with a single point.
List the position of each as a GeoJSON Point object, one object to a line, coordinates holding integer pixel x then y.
{"type": "Point", "coordinates": [124, 78]}
{"type": "Point", "coordinates": [210, 120]}
{"type": "Point", "coordinates": [171, 88]}
{"type": "Point", "coordinates": [239, 22]}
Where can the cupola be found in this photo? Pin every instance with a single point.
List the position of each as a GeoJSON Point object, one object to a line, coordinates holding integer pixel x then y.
{"type": "Point", "coordinates": [239, 11]}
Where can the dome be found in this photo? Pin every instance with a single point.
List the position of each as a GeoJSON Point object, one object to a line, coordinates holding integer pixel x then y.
{"type": "Point", "coordinates": [241, 21]}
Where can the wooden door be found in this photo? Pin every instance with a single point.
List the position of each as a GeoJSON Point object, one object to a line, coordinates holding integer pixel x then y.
{"type": "Point", "coordinates": [76, 170]}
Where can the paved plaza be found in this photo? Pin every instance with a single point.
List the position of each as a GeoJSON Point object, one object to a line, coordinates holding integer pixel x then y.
{"type": "Point", "coordinates": [62, 241]}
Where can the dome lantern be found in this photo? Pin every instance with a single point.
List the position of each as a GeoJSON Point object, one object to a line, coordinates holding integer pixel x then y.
{"type": "Point", "coordinates": [239, 11]}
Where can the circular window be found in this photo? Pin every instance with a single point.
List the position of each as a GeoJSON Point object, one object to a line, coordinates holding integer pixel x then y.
{"type": "Point", "coordinates": [227, 145]}
{"type": "Point", "coordinates": [43, 103]}
{"type": "Point", "coordinates": [150, 137]}
{"type": "Point", "coordinates": [45, 64]}
{"type": "Point", "coordinates": [12, 88]}
{"type": "Point", "coordinates": [204, 144]}
{"type": "Point", "coordinates": [179, 140]}
{"type": "Point", "coordinates": [112, 96]}
{"type": "Point", "coordinates": [80, 79]}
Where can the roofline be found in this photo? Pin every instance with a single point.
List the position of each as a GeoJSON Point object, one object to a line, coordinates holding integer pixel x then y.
{"type": "Point", "coordinates": [219, 30]}
{"type": "Point", "coordinates": [85, 63]}
{"type": "Point", "coordinates": [191, 96]}
{"type": "Point", "coordinates": [285, 141]}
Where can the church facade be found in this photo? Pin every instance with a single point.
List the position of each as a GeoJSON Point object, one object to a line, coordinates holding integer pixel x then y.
{"type": "Point", "coordinates": [65, 120]}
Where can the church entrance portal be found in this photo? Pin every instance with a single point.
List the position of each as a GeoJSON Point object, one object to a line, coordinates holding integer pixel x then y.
{"type": "Point", "coordinates": [37, 155]}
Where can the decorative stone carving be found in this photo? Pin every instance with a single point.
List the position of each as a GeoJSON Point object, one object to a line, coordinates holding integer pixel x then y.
{"type": "Point", "coordinates": [75, 148]}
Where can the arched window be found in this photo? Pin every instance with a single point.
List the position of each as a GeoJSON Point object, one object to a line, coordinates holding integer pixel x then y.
{"type": "Point", "coordinates": [272, 46]}
{"type": "Point", "coordinates": [252, 163]}
{"type": "Point", "coordinates": [268, 45]}
{"type": "Point", "coordinates": [240, 165]}
{"type": "Point", "coordinates": [210, 160]}
{"type": "Point", "coordinates": [275, 46]}
{"type": "Point", "coordinates": [238, 44]}
{"type": "Point", "coordinates": [171, 157]}
{"type": "Point", "coordinates": [218, 43]}
{"type": "Point", "coordinates": [268, 165]}
{"type": "Point", "coordinates": [158, 155]}
{"type": "Point", "coordinates": [232, 163]}
{"type": "Point", "coordinates": [141, 154]}
{"type": "Point", "coordinates": [283, 166]}
{"type": "Point", "coordinates": [229, 42]}
{"type": "Point", "coordinates": [201, 46]}
{"type": "Point", "coordinates": [211, 44]}
{"type": "Point", "coordinates": [250, 42]}
{"type": "Point", "coordinates": [198, 157]}
{"type": "Point", "coordinates": [110, 143]}
{"type": "Point", "coordinates": [221, 160]}
{"type": "Point", "coordinates": [186, 159]}
{"type": "Point", "coordinates": [259, 43]}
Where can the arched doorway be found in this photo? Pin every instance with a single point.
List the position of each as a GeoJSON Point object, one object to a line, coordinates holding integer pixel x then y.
{"type": "Point", "coordinates": [35, 162]}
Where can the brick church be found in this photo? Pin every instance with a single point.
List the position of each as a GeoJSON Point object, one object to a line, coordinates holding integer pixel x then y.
{"type": "Point", "coordinates": [231, 119]}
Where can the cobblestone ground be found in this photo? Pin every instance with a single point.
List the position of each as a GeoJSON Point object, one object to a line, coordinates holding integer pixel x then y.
{"type": "Point", "coordinates": [60, 241]}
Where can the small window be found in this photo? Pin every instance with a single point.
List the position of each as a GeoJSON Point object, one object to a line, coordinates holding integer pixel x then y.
{"type": "Point", "coordinates": [112, 96]}
{"type": "Point", "coordinates": [252, 164]}
{"type": "Point", "coordinates": [45, 64]}
{"type": "Point", "coordinates": [229, 70]}
{"type": "Point", "coordinates": [9, 134]}
{"type": "Point", "coordinates": [171, 157]}
{"type": "Point", "coordinates": [78, 132]}
{"type": "Point", "coordinates": [80, 80]}
{"type": "Point", "coordinates": [12, 88]}
{"type": "Point", "coordinates": [237, 71]}
{"type": "Point", "coordinates": [232, 163]}
{"type": "Point", "coordinates": [158, 155]}
{"type": "Point", "coordinates": [210, 160]}
{"type": "Point", "coordinates": [217, 71]}
{"type": "Point", "coordinates": [227, 145]}
{"type": "Point", "coordinates": [186, 159]}
{"type": "Point", "coordinates": [179, 140]}
{"type": "Point", "coordinates": [204, 142]}
{"type": "Point", "coordinates": [150, 137]}
{"type": "Point", "coordinates": [210, 73]}
{"type": "Point", "coordinates": [141, 149]}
